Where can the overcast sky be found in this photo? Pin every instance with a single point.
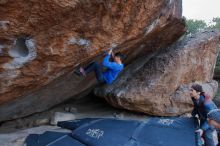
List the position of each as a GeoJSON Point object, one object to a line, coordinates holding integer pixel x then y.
{"type": "Point", "coordinates": [201, 9]}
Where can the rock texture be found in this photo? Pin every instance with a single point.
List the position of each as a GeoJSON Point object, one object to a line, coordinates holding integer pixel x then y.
{"type": "Point", "coordinates": [159, 86]}
{"type": "Point", "coordinates": [41, 41]}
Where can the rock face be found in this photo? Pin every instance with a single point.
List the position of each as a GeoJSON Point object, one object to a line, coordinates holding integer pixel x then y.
{"type": "Point", "coordinates": [159, 86]}
{"type": "Point", "coordinates": [41, 41]}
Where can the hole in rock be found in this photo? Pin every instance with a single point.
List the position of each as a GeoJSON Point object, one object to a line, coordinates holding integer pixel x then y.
{"type": "Point", "coordinates": [20, 48]}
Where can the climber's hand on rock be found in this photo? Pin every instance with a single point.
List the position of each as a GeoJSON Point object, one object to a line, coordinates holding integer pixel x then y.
{"type": "Point", "coordinates": [110, 52]}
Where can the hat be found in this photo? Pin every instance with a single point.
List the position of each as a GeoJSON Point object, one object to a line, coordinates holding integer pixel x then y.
{"type": "Point", "coordinates": [214, 115]}
{"type": "Point", "coordinates": [197, 87]}
{"type": "Point", "coordinates": [119, 54]}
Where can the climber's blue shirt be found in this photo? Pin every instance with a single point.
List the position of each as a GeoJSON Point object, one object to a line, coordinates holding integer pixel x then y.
{"type": "Point", "coordinates": [113, 69]}
{"type": "Point", "coordinates": [202, 107]}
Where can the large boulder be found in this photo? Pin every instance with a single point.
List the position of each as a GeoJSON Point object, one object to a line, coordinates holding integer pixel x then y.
{"type": "Point", "coordinates": [160, 85]}
{"type": "Point", "coordinates": [42, 41]}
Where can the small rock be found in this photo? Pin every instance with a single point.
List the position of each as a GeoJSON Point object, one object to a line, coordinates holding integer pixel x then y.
{"type": "Point", "coordinates": [73, 110]}
{"type": "Point", "coordinates": [39, 122]}
{"type": "Point", "coordinates": [118, 115]}
{"type": "Point", "coordinates": [70, 109]}
{"type": "Point", "coordinates": [66, 109]}
{"type": "Point", "coordinates": [59, 116]}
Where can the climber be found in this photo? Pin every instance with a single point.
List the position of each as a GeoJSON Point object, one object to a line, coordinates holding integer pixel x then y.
{"type": "Point", "coordinates": [203, 105]}
{"type": "Point", "coordinates": [113, 68]}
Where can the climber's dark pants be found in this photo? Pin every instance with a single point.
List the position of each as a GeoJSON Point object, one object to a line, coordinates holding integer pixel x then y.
{"type": "Point", "coordinates": [96, 67]}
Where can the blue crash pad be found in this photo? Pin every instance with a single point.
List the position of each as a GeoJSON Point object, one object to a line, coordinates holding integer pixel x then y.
{"type": "Point", "coordinates": [114, 132]}
{"type": "Point", "coordinates": [153, 132]}
{"type": "Point", "coordinates": [51, 138]}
